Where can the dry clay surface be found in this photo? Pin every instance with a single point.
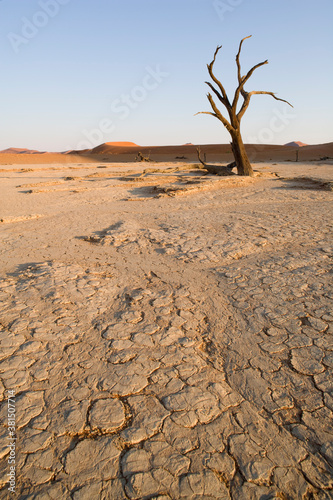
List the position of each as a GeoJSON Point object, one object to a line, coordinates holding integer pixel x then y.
{"type": "Point", "coordinates": [165, 346]}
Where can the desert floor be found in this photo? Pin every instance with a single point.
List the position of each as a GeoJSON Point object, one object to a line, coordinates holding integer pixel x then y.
{"type": "Point", "coordinates": [167, 334]}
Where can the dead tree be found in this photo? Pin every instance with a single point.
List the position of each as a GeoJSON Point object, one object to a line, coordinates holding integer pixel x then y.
{"type": "Point", "coordinates": [140, 157]}
{"type": "Point", "coordinates": [233, 123]}
{"type": "Point", "coordinates": [216, 169]}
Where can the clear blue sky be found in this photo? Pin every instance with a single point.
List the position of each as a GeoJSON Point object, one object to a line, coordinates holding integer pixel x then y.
{"type": "Point", "coordinates": [77, 73]}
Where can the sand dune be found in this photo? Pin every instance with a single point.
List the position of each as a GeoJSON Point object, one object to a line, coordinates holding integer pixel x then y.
{"type": "Point", "coordinates": [114, 148]}
{"type": "Point", "coordinates": [43, 159]}
{"type": "Point", "coordinates": [127, 152]}
{"type": "Point", "coordinates": [16, 151]}
{"type": "Point", "coordinates": [296, 144]}
{"type": "Point", "coordinates": [122, 144]}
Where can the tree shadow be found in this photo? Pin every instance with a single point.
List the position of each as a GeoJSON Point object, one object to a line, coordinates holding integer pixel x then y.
{"type": "Point", "coordinates": [306, 183]}
{"type": "Point", "coordinates": [97, 236]}
{"type": "Point", "coordinates": [26, 267]}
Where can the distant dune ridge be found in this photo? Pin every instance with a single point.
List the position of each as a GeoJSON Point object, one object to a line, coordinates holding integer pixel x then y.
{"type": "Point", "coordinates": [123, 144]}
{"type": "Point", "coordinates": [20, 151]}
{"type": "Point", "coordinates": [296, 144]}
{"type": "Point", "coordinates": [113, 147]}
{"type": "Point", "coordinates": [126, 151]}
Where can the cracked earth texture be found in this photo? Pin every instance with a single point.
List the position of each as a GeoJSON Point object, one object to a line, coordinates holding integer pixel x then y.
{"type": "Point", "coordinates": [199, 365]}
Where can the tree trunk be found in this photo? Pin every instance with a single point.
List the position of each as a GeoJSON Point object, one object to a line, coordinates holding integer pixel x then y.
{"type": "Point", "coordinates": [242, 160]}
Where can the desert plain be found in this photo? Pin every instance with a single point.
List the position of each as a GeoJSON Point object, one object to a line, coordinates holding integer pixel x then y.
{"type": "Point", "coordinates": [167, 333]}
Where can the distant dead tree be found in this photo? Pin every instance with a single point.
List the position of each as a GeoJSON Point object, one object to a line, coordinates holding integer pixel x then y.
{"type": "Point", "coordinates": [233, 124]}
{"type": "Point", "coordinates": [140, 157]}
{"type": "Point", "coordinates": [297, 154]}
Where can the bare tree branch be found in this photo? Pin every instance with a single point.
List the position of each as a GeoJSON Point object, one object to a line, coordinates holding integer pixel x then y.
{"type": "Point", "coordinates": [244, 80]}
{"type": "Point", "coordinates": [220, 118]}
{"type": "Point", "coordinates": [206, 113]}
{"type": "Point", "coordinates": [217, 93]}
{"type": "Point", "coordinates": [218, 83]}
{"type": "Point", "coordinates": [249, 74]}
{"type": "Point", "coordinates": [217, 113]}
{"type": "Point", "coordinates": [237, 59]}
{"type": "Point", "coordinates": [225, 122]}
{"type": "Point", "coordinates": [254, 92]}
{"type": "Point", "coordinates": [247, 96]}
{"type": "Point", "coordinates": [245, 105]}
{"type": "Point", "coordinates": [203, 161]}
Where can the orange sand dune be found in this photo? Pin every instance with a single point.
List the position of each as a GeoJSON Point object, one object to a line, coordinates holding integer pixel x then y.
{"type": "Point", "coordinates": [127, 152]}
{"type": "Point", "coordinates": [42, 159]}
{"type": "Point", "coordinates": [214, 152]}
{"type": "Point", "coordinates": [296, 144]}
{"type": "Point", "coordinates": [114, 148]}
{"type": "Point", "coordinates": [124, 144]}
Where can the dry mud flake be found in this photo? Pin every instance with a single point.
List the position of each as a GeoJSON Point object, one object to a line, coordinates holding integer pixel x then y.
{"type": "Point", "coordinates": [113, 489]}
{"type": "Point", "coordinates": [203, 485]}
{"type": "Point", "coordinates": [148, 417]}
{"type": "Point", "coordinates": [204, 404]}
{"type": "Point", "coordinates": [107, 415]}
{"type": "Point", "coordinates": [251, 459]}
{"type": "Point", "coordinates": [49, 492]}
{"type": "Point", "coordinates": [90, 459]}
{"type": "Point", "coordinates": [136, 460]}
{"type": "Point", "coordinates": [34, 440]}
{"type": "Point", "coordinates": [68, 418]}
{"type": "Point", "coordinates": [148, 484]}
{"type": "Point", "coordinates": [29, 405]}
{"type": "Point", "coordinates": [307, 360]}
{"type": "Point", "coordinates": [161, 455]}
